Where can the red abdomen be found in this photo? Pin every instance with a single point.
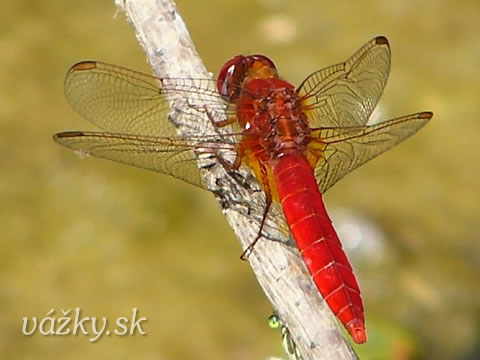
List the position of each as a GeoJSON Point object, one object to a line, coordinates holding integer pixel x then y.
{"type": "Point", "coordinates": [318, 242]}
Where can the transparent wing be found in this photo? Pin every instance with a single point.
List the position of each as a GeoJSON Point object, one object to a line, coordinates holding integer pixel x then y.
{"type": "Point", "coordinates": [345, 94]}
{"type": "Point", "coordinates": [170, 156]}
{"type": "Point", "coordinates": [173, 156]}
{"type": "Point", "coordinates": [275, 225]}
{"type": "Point", "coordinates": [342, 150]}
{"type": "Point", "coordinates": [120, 100]}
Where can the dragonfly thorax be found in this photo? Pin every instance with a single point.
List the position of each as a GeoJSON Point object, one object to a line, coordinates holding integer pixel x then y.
{"type": "Point", "coordinates": [271, 115]}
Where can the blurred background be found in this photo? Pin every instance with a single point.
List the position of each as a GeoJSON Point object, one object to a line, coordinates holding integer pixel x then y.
{"type": "Point", "coordinates": [107, 238]}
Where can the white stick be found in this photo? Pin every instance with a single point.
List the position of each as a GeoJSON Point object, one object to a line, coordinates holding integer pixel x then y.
{"type": "Point", "coordinates": [279, 269]}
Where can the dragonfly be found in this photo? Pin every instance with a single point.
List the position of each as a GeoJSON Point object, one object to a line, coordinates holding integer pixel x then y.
{"type": "Point", "coordinates": [288, 342]}
{"type": "Point", "coordinates": [296, 141]}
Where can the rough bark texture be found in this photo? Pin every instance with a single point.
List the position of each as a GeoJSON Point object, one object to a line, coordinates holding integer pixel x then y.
{"type": "Point", "coordinates": [278, 267]}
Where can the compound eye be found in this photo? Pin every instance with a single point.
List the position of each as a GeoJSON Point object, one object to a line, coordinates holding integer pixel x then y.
{"type": "Point", "coordinates": [261, 61]}
{"type": "Point", "coordinates": [230, 78]}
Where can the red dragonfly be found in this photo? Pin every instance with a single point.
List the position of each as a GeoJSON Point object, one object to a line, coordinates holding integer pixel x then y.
{"type": "Point", "coordinates": [298, 142]}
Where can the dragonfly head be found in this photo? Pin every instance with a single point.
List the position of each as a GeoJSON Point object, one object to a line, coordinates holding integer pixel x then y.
{"type": "Point", "coordinates": [241, 69]}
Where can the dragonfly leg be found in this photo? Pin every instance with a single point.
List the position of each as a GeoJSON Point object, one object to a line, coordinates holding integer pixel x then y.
{"type": "Point", "coordinates": [232, 167]}
{"type": "Point", "coordinates": [230, 120]}
{"type": "Point", "coordinates": [246, 253]}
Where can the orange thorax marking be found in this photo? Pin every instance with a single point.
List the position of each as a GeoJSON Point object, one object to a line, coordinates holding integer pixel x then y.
{"type": "Point", "coordinates": [274, 124]}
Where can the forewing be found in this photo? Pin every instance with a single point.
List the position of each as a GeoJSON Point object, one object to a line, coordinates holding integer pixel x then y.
{"type": "Point", "coordinates": [344, 95]}
{"type": "Point", "coordinates": [170, 156]}
{"type": "Point", "coordinates": [345, 149]}
{"type": "Point", "coordinates": [120, 100]}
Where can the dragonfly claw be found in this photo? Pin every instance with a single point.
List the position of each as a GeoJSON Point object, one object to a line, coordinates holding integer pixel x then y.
{"type": "Point", "coordinates": [247, 252]}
